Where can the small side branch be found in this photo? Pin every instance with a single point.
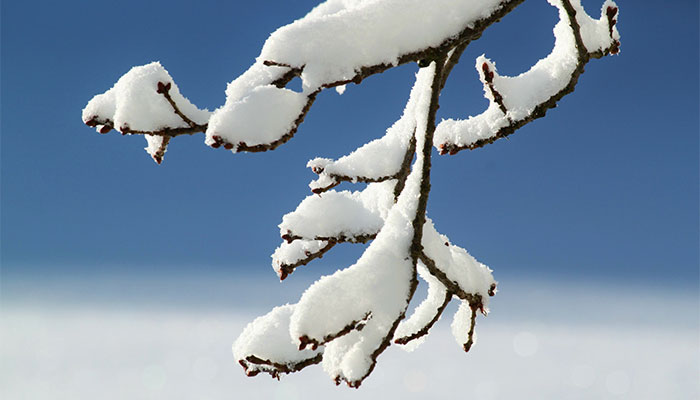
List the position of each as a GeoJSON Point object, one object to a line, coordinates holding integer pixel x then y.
{"type": "Point", "coordinates": [451, 286]}
{"type": "Point", "coordinates": [289, 237]}
{"type": "Point", "coordinates": [306, 341]}
{"type": "Point", "coordinates": [472, 325]}
{"type": "Point", "coordinates": [286, 269]}
{"type": "Point", "coordinates": [276, 368]}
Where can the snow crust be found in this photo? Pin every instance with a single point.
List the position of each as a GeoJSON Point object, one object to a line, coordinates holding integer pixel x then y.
{"type": "Point", "coordinates": [522, 93]}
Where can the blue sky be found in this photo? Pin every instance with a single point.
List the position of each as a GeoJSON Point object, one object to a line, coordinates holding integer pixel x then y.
{"type": "Point", "coordinates": [120, 274]}
{"type": "Point", "coordinates": [605, 186]}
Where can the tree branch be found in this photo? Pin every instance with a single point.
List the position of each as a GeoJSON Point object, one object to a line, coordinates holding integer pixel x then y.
{"type": "Point", "coordinates": [541, 109]}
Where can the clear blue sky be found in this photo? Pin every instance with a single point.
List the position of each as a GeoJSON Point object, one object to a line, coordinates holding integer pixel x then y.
{"type": "Point", "coordinates": [605, 188]}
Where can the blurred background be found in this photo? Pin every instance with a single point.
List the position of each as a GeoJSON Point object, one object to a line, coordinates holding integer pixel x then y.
{"type": "Point", "coordinates": [124, 279]}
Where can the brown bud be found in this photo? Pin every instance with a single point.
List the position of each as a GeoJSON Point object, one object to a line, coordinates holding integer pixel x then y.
{"type": "Point", "coordinates": [228, 146]}
{"type": "Point", "coordinates": [92, 122]}
{"type": "Point", "coordinates": [217, 141]}
{"type": "Point", "coordinates": [163, 87]}
{"type": "Point", "coordinates": [103, 129]}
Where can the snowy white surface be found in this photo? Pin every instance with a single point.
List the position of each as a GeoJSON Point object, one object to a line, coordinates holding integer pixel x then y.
{"type": "Point", "coordinates": [261, 117]}
{"type": "Point", "coordinates": [341, 214]}
{"type": "Point", "coordinates": [82, 339]}
{"type": "Point", "coordinates": [338, 37]}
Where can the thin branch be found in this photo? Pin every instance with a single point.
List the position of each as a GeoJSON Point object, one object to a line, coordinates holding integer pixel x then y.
{"type": "Point", "coordinates": [451, 286]}
{"type": "Point", "coordinates": [275, 368]}
{"type": "Point", "coordinates": [338, 179]}
{"type": "Point", "coordinates": [472, 324]}
{"type": "Point", "coordinates": [289, 237]}
{"type": "Point", "coordinates": [452, 61]}
{"type": "Point", "coordinates": [164, 89]}
{"type": "Point", "coordinates": [405, 168]}
{"type": "Point", "coordinates": [426, 152]}
{"type": "Point", "coordinates": [497, 97]}
{"type": "Point", "coordinates": [306, 341]}
{"type": "Point", "coordinates": [286, 269]}
{"type": "Point", "coordinates": [160, 153]}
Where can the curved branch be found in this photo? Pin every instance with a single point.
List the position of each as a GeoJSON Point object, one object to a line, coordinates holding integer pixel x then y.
{"type": "Point", "coordinates": [539, 110]}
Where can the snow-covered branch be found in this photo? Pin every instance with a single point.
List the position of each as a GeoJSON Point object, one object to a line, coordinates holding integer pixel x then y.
{"type": "Point", "coordinates": [516, 101]}
{"type": "Point", "coordinates": [346, 320]}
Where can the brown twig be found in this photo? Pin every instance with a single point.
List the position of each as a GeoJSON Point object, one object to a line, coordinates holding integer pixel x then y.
{"type": "Point", "coordinates": [276, 368]}
{"type": "Point", "coordinates": [306, 341]}
{"type": "Point", "coordinates": [472, 325]}
{"type": "Point", "coordinates": [286, 269]}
